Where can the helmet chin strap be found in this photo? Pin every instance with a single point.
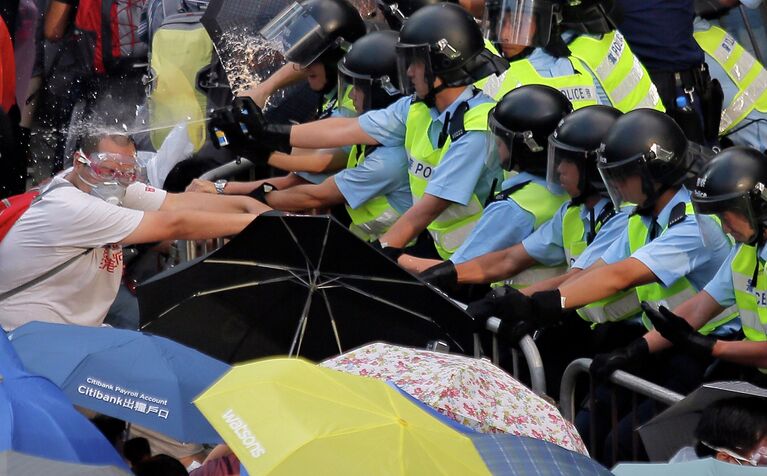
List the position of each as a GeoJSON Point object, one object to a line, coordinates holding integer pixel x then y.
{"type": "Point", "coordinates": [431, 97]}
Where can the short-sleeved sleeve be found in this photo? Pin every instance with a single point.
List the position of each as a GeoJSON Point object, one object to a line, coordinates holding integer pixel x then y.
{"type": "Point", "coordinates": [720, 287]}
{"type": "Point", "coordinates": [387, 126]}
{"type": "Point", "coordinates": [545, 244]}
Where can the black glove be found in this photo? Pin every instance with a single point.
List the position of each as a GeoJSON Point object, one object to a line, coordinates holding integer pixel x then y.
{"type": "Point", "coordinates": [260, 192]}
{"type": "Point", "coordinates": [242, 126]}
{"type": "Point", "coordinates": [678, 331]}
{"type": "Point", "coordinates": [624, 358]}
{"type": "Point", "coordinates": [503, 302]}
{"type": "Point", "coordinates": [391, 252]}
{"type": "Point", "coordinates": [442, 276]}
{"type": "Point", "coordinates": [513, 331]}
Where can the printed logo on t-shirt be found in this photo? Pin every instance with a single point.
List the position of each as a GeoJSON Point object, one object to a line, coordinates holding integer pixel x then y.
{"type": "Point", "coordinates": [112, 258]}
{"type": "Point", "coordinates": [149, 189]}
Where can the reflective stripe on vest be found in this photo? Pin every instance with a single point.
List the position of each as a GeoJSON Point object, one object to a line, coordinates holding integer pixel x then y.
{"type": "Point", "coordinates": [746, 72]}
{"type": "Point", "coordinates": [680, 291]}
{"type": "Point", "coordinates": [483, 83]}
{"type": "Point", "coordinates": [374, 217]}
{"type": "Point", "coordinates": [750, 296]}
{"type": "Point", "coordinates": [624, 79]}
{"type": "Point", "coordinates": [542, 204]}
{"type": "Point", "coordinates": [453, 225]}
{"type": "Point", "coordinates": [579, 88]}
{"type": "Point", "coordinates": [611, 309]}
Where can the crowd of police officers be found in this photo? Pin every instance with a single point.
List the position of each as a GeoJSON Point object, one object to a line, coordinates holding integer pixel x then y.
{"type": "Point", "coordinates": [558, 151]}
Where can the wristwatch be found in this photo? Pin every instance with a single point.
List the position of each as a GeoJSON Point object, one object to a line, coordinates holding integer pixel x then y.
{"type": "Point", "coordinates": [220, 184]}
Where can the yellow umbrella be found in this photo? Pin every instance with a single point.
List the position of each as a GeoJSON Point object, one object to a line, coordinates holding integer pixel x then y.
{"type": "Point", "coordinates": [289, 416]}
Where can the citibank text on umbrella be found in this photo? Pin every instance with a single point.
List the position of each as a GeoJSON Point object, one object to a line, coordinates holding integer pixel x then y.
{"type": "Point", "coordinates": [240, 428]}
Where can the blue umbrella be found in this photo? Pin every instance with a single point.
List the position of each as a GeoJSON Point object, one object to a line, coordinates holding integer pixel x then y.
{"type": "Point", "coordinates": [144, 379]}
{"type": "Point", "coordinates": [524, 456]}
{"type": "Point", "coordinates": [37, 419]}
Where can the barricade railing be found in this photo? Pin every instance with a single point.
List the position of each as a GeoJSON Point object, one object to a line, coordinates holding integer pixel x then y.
{"type": "Point", "coordinates": [619, 378]}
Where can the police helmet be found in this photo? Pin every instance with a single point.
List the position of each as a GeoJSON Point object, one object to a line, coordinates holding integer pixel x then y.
{"type": "Point", "coordinates": [734, 181]}
{"type": "Point", "coordinates": [396, 12]}
{"type": "Point", "coordinates": [447, 41]}
{"type": "Point", "coordinates": [591, 16]}
{"type": "Point", "coordinates": [648, 144]}
{"type": "Point", "coordinates": [370, 67]}
{"type": "Point", "coordinates": [522, 122]}
{"type": "Point", "coordinates": [577, 139]}
{"type": "Point", "coordinates": [518, 24]}
{"type": "Point", "coordinates": [314, 30]}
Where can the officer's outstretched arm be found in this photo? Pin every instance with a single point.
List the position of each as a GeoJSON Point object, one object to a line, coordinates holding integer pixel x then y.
{"type": "Point", "coordinates": [495, 266]}
{"type": "Point", "coordinates": [414, 221]}
{"type": "Point", "coordinates": [551, 283]}
{"type": "Point", "coordinates": [331, 132]}
{"type": "Point", "coordinates": [743, 352]}
{"type": "Point", "coordinates": [605, 281]}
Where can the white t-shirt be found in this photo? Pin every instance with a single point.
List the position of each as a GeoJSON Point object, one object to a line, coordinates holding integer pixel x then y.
{"type": "Point", "coordinates": [63, 224]}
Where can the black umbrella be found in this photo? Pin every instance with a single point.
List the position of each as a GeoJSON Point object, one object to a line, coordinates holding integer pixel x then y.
{"type": "Point", "coordinates": [297, 285]}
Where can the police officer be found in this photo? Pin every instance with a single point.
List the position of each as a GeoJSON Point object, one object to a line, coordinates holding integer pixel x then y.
{"type": "Point", "coordinates": [443, 127]}
{"type": "Point", "coordinates": [604, 51]}
{"type": "Point", "coordinates": [645, 160]}
{"type": "Point", "coordinates": [744, 85]}
{"type": "Point", "coordinates": [732, 187]}
{"type": "Point", "coordinates": [527, 33]}
{"type": "Point", "coordinates": [580, 231]}
{"type": "Point", "coordinates": [522, 122]}
{"type": "Point", "coordinates": [661, 35]}
{"type": "Point", "coordinates": [374, 186]}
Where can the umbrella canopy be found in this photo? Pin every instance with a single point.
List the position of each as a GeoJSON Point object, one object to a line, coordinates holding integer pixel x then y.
{"type": "Point", "coordinates": [701, 467]}
{"type": "Point", "coordinates": [37, 419]}
{"type": "Point", "coordinates": [19, 463]}
{"type": "Point", "coordinates": [674, 428]}
{"type": "Point", "coordinates": [297, 285]}
{"type": "Point", "coordinates": [472, 391]}
{"type": "Point", "coordinates": [288, 416]}
{"type": "Point", "coordinates": [136, 377]}
{"type": "Point", "coordinates": [523, 456]}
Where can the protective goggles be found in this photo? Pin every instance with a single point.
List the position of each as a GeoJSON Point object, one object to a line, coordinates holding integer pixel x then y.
{"type": "Point", "coordinates": [111, 167]}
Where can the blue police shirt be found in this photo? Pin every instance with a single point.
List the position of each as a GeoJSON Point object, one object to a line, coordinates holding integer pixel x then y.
{"type": "Point", "coordinates": [546, 244]}
{"type": "Point", "coordinates": [754, 134]}
{"type": "Point", "coordinates": [679, 251]}
{"type": "Point", "coordinates": [463, 170]}
{"type": "Point", "coordinates": [503, 224]}
{"type": "Point", "coordinates": [383, 172]}
{"type": "Point", "coordinates": [606, 236]}
{"type": "Point", "coordinates": [660, 33]}
{"type": "Point", "coordinates": [721, 288]}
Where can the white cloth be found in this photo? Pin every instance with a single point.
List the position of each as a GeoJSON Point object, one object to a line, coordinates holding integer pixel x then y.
{"type": "Point", "coordinates": [175, 148]}
{"type": "Point", "coordinates": [61, 225]}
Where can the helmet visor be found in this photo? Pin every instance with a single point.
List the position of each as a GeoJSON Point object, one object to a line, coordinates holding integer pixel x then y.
{"type": "Point", "coordinates": [624, 179]}
{"type": "Point", "coordinates": [296, 35]}
{"type": "Point", "coordinates": [515, 142]}
{"type": "Point", "coordinates": [733, 211]}
{"type": "Point", "coordinates": [521, 23]}
{"type": "Point", "coordinates": [357, 89]}
{"type": "Point", "coordinates": [573, 157]}
{"type": "Point", "coordinates": [413, 61]}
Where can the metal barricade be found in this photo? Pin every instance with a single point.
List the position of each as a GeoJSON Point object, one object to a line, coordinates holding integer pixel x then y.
{"type": "Point", "coordinates": [619, 378]}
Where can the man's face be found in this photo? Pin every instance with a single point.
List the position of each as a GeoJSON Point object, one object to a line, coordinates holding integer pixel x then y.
{"type": "Point", "coordinates": [316, 76]}
{"type": "Point", "coordinates": [737, 225]}
{"type": "Point", "coordinates": [517, 33]}
{"type": "Point", "coordinates": [630, 189]}
{"type": "Point", "coordinates": [416, 72]}
{"type": "Point", "coordinates": [357, 96]}
{"type": "Point", "coordinates": [569, 176]}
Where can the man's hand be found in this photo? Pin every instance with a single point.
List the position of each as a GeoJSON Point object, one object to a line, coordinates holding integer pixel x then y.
{"type": "Point", "coordinates": [678, 331]}
{"type": "Point", "coordinates": [627, 357]}
{"type": "Point", "coordinates": [201, 186]}
{"type": "Point", "coordinates": [391, 252]}
{"type": "Point", "coordinates": [442, 276]}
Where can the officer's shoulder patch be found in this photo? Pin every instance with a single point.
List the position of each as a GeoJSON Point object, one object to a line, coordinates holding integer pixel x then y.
{"type": "Point", "coordinates": [678, 214]}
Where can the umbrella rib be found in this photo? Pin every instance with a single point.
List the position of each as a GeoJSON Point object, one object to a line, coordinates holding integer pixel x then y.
{"type": "Point", "coordinates": [384, 301]}
{"type": "Point", "coordinates": [332, 322]}
{"type": "Point", "coordinates": [298, 337]}
{"type": "Point", "coordinates": [374, 278]}
{"type": "Point", "coordinates": [253, 263]}
{"type": "Point", "coordinates": [229, 288]}
{"type": "Point", "coordinates": [324, 244]}
{"type": "Point", "coordinates": [298, 245]}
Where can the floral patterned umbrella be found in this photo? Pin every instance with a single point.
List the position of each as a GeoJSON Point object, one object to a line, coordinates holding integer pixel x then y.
{"type": "Point", "coordinates": [473, 392]}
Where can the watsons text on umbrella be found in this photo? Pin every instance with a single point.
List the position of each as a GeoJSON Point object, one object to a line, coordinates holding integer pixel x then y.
{"type": "Point", "coordinates": [240, 428]}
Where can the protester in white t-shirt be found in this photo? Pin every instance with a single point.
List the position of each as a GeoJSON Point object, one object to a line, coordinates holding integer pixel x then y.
{"type": "Point", "coordinates": [71, 219]}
